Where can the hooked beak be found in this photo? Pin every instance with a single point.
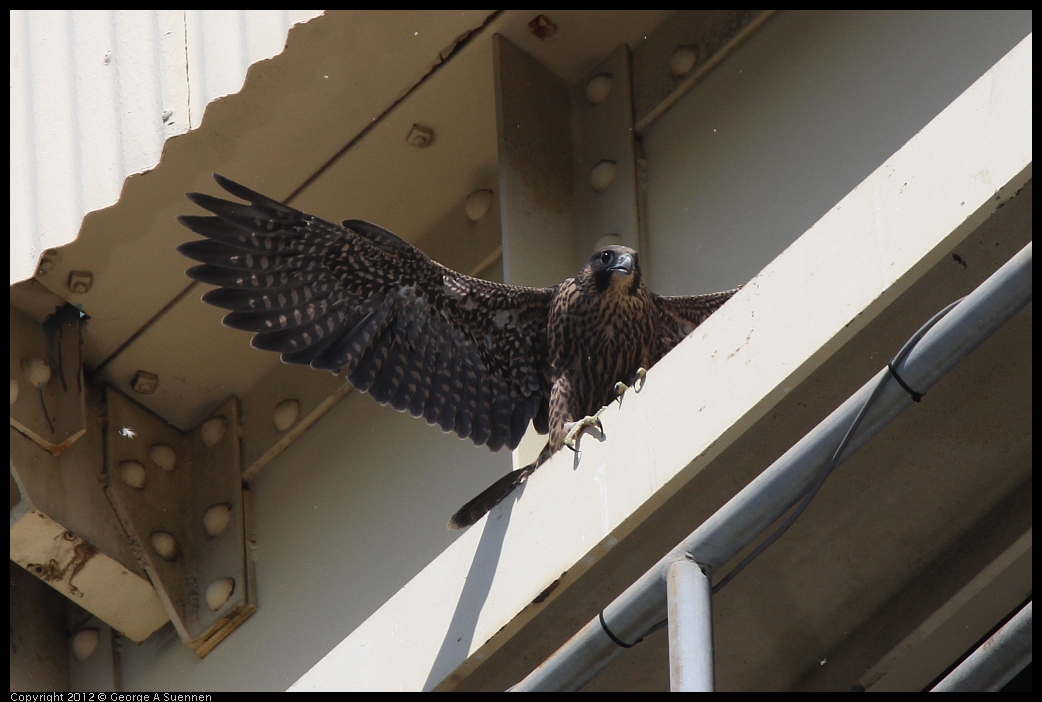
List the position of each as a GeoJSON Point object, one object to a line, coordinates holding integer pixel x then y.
{"type": "Point", "coordinates": [623, 264]}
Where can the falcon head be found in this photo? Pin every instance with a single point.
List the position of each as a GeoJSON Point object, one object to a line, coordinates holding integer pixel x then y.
{"type": "Point", "coordinates": [614, 268]}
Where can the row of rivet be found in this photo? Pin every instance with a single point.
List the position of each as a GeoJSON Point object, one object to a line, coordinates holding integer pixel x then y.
{"type": "Point", "coordinates": [215, 519]}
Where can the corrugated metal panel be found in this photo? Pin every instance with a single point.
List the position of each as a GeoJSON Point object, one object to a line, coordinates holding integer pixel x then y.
{"type": "Point", "coordinates": [96, 94]}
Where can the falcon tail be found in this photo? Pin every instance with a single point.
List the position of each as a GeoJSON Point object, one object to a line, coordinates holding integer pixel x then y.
{"type": "Point", "coordinates": [495, 493]}
{"type": "Point", "coordinates": [489, 498]}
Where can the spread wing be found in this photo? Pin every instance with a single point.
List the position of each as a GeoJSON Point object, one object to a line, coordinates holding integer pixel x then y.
{"type": "Point", "coordinates": [464, 353]}
{"type": "Point", "coordinates": [678, 316]}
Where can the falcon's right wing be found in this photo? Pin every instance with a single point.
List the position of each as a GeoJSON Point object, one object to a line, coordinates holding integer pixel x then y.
{"type": "Point", "coordinates": [465, 353]}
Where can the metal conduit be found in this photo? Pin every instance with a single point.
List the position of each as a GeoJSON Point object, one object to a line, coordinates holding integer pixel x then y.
{"type": "Point", "coordinates": [996, 662]}
{"type": "Point", "coordinates": [689, 595]}
{"type": "Point", "coordinates": [644, 604]}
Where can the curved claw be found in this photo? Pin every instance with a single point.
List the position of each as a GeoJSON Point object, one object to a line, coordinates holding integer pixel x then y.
{"type": "Point", "coordinates": [571, 439]}
{"type": "Point", "coordinates": [639, 378]}
{"type": "Point", "coordinates": [620, 390]}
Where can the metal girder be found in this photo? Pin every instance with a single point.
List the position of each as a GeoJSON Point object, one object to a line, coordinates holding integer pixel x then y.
{"type": "Point", "coordinates": [181, 499]}
{"type": "Point", "coordinates": [135, 521]}
{"type": "Point", "coordinates": [47, 394]}
{"type": "Point", "coordinates": [567, 165]}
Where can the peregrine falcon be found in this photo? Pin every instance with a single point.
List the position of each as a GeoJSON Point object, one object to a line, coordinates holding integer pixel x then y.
{"type": "Point", "coordinates": [480, 359]}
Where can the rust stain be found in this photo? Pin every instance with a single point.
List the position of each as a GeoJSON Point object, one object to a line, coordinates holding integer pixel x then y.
{"type": "Point", "coordinates": [52, 572]}
{"type": "Point", "coordinates": [541, 597]}
{"type": "Point", "coordinates": [542, 26]}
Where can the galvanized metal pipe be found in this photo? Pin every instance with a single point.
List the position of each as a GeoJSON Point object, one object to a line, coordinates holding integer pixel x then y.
{"type": "Point", "coordinates": [996, 662]}
{"type": "Point", "coordinates": [780, 486]}
{"type": "Point", "coordinates": [689, 596]}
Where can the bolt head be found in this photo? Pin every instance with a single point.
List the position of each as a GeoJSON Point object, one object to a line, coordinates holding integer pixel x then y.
{"type": "Point", "coordinates": [165, 545]}
{"type": "Point", "coordinates": [80, 282]}
{"type": "Point", "coordinates": [219, 592]}
{"type": "Point", "coordinates": [216, 518]}
{"type": "Point", "coordinates": [478, 204]}
{"type": "Point", "coordinates": [84, 642]}
{"type": "Point", "coordinates": [37, 371]}
{"type": "Point", "coordinates": [212, 430]}
{"type": "Point", "coordinates": [420, 136]}
{"type": "Point", "coordinates": [682, 61]}
{"type": "Point", "coordinates": [163, 456]}
{"type": "Point", "coordinates": [133, 474]}
{"type": "Point", "coordinates": [145, 382]}
{"type": "Point", "coordinates": [603, 175]}
{"type": "Point", "coordinates": [285, 414]}
{"type": "Point", "coordinates": [598, 88]}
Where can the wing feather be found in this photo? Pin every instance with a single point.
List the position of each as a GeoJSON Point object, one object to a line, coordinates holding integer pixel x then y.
{"type": "Point", "coordinates": [464, 353]}
{"type": "Point", "coordinates": [680, 315]}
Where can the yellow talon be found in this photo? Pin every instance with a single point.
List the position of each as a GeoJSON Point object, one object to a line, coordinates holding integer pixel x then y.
{"type": "Point", "coordinates": [639, 379]}
{"type": "Point", "coordinates": [571, 439]}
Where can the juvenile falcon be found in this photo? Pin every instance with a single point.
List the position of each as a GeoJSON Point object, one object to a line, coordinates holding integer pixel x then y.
{"type": "Point", "coordinates": [480, 359]}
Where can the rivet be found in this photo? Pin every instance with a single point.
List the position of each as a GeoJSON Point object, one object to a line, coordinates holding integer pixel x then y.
{"type": "Point", "coordinates": [608, 240]}
{"type": "Point", "coordinates": [37, 371]}
{"type": "Point", "coordinates": [542, 26]}
{"type": "Point", "coordinates": [164, 544]}
{"type": "Point", "coordinates": [682, 60]}
{"type": "Point", "coordinates": [285, 414]}
{"type": "Point", "coordinates": [84, 642]}
{"type": "Point", "coordinates": [14, 390]}
{"type": "Point", "coordinates": [598, 88]}
{"type": "Point", "coordinates": [163, 456]}
{"type": "Point", "coordinates": [80, 282]}
{"type": "Point", "coordinates": [215, 519]}
{"type": "Point", "coordinates": [145, 382]}
{"type": "Point", "coordinates": [133, 474]}
{"type": "Point", "coordinates": [213, 429]}
{"type": "Point", "coordinates": [219, 592]}
{"type": "Point", "coordinates": [477, 205]}
{"type": "Point", "coordinates": [602, 175]}
{"type": "Point", "coordinates": [420, 136]}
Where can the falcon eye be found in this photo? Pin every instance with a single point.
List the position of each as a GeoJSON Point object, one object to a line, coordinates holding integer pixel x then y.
{"type": "Point", "coordinates": [606, 256]}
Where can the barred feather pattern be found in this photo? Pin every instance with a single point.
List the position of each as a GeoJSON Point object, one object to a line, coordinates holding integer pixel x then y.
{"type": "Point", "coordinates": [464, 353]}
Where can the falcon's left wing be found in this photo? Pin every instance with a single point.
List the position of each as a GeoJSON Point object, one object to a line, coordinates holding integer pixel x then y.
{"type": "Point", "coordinates": [678, 316]}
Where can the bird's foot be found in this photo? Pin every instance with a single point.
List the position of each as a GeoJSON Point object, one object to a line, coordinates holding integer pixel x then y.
{"type": "Point", "coordinates": [639, 379]}
{"type": "Point", "coordinates": [571, 439]}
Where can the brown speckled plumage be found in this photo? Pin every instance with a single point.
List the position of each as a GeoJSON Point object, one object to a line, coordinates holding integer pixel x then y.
{"type": "Point", "coordinates": [479, 359]}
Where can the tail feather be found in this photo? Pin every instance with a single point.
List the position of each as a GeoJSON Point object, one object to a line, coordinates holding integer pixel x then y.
{"type": "Point", "coordinates": [495, 493]}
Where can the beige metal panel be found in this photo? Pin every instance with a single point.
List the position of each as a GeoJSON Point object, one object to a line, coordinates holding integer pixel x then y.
{"type": "Point", "coordinates": [95, 95]}
{"type": "Point", "coordinates": [298, 111]}
{"type": "Point", "coordinates": [873, 245]}
{"type": "Point", "coordinates": [771, 140]}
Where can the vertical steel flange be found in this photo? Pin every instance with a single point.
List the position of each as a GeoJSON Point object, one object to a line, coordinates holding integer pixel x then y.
{"type": "Point", "coordinates": [182, 501]}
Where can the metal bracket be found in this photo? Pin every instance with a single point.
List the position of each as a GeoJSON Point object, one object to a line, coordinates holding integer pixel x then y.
{"type": "Point", "coordinates": [47, 395]}
{"type": "Point", "coordinates": [182, 501]}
